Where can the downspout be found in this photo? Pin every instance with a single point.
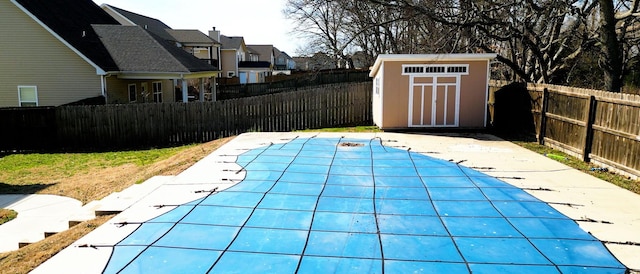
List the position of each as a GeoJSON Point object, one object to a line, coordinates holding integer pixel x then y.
{"type": "Point", "coordinates": [103, 86]}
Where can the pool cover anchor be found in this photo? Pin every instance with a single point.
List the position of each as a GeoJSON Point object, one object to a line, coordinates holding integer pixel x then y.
{"type": "Point", "coordinates": [206, 191]}
{"type": "Point", "coordinates": [589, 220]}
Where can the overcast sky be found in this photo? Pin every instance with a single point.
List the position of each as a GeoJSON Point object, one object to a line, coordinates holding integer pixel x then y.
{"type": "Point", "coordinates": [259, 21]}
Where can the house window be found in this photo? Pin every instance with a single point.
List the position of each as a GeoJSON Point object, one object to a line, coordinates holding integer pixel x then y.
{"type": "Point", "coordinates": [157, 92]}
{"type": "Point", "coordinates": [28, 96]}
{"type": "Point", "coordinates": [133, 95]}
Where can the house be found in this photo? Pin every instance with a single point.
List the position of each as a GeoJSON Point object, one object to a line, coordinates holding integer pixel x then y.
{"type": "Point", "coordinates": [284, 64]}
{"type": "Point", "coordinates": [233, 50]}
{"type": "Point", "coordinates": [45, 61]}
{"type": "Point", "coordinates": [198, 44]}
{"type": "Point", "coordinates": [430, 90]}
{"type": "Point", "coordinates": [242, 61]}
{"type": "Point", "coordinates": [59, 52]}
{"type": "Point", "coordinates": [152, 69]}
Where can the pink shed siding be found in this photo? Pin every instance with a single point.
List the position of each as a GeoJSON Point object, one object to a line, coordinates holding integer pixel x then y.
{"type": "Point", "coordinates": [391, 106]}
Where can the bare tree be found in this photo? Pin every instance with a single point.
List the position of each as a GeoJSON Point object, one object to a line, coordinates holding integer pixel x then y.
{"type": "Point", "coordinates": [322, 23]}
{"type": "Point", "coordinates": [619, 27]}
{"type": "Point", "coordinates": [538, 41]}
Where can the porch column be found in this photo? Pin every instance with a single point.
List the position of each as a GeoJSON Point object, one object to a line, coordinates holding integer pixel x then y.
{"type": "Point", "coordinates": [213, 89]}
{"type": "Point", "coordinates": [201, 90]}
{"type": "Point", "coordinates": [185, 91]}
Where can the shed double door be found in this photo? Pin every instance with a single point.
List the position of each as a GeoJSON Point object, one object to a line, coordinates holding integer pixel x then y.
{"type": "Point", "coordinates": [434, 101]}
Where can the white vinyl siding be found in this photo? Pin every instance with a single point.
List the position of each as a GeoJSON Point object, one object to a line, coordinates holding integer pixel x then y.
{"type": "Point", "coordinates": [28, 96]}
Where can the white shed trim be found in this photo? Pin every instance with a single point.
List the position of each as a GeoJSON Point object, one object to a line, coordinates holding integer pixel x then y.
{"type": "Point", "coordinates": [429, 57]}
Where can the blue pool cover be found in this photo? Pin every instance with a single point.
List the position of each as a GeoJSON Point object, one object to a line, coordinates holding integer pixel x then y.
{"type": "Point", "coordinates": [334, 205]}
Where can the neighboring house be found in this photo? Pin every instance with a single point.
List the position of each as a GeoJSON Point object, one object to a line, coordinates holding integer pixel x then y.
{"type": "Point", "coordinates": [47, 61]}
{"type": "Point", "coordinates": [233, 51]}
{"type": "Point", "coordinates": [59, 52]}
{"type": "Point", "coordinates": [430, 90]}
{"type": "Point", "coordinates": [265, 53]}
{"type": "Point", "coordinates": [152, 69]}
{"type": "Point", "coordinates": [193, 41]}
{"type": "Point", "coordinates": [284, 64]}
{"type": "Point", "coordinates": [242, 61]}
{"type": "Point", "coordinates": [198, 44]}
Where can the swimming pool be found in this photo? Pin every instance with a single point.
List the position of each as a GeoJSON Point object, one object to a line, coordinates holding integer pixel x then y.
{"type": "Point", "coordinates": [338, 205]}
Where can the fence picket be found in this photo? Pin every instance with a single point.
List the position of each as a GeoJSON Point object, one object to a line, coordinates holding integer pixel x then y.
{"type": "Point", "coordinates": [610, 135]}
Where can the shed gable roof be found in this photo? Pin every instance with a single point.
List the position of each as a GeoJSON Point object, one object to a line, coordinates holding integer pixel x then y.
{"type": "Point", "coordinates": [428, 58]}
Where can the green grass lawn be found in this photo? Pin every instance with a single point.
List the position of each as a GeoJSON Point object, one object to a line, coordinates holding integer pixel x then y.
{"type": "Point", "coordinates": [7, 215]}
{"type": "Point", "coordinates": [17, 167]}
{"type": "Point", "coordinates": [346, 129]}
{"type": "Point", "coordinates": [92, 176]}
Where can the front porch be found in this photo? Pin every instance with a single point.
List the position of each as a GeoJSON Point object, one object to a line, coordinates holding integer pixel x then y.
{"type": "Point", "coordinates": [130, 89]}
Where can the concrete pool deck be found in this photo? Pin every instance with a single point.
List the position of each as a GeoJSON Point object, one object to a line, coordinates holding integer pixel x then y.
{"type": "Point", "coordinates": [607, 212]}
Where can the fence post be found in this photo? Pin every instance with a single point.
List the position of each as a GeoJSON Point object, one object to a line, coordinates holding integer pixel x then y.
{"type": "Point", "coordinates": [588, 136]}
{"type": "Point", "coordinates": [543, 116]}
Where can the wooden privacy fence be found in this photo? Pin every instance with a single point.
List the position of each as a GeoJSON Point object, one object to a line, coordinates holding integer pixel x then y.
{"type": "Point", "coordinates": [151, 125]}
{"type": "Point", "coordinates": [598, 126]}
{"type": "Point", "coordinates": [291, 82]}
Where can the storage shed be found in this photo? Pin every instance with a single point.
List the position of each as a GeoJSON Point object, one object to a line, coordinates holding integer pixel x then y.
{"type": "Point", "coordinates": [430, 90]}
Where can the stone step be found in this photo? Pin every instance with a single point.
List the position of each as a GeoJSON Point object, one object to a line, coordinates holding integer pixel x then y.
{"type": "Point", "coordinates": [37, 215]}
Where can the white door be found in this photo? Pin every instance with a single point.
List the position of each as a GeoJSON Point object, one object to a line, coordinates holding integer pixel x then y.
{"type": "Point", "coordinates": [434, 101]}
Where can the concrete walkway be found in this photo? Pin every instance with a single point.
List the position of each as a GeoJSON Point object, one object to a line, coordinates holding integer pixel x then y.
{"type": "Point", "coordinates": [606, 211]}
{"type": "Point", "coordinates": [38, 216]}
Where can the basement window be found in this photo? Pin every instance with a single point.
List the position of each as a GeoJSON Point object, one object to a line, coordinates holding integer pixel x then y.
{"type": "Point", "coordinates": [28, 96]}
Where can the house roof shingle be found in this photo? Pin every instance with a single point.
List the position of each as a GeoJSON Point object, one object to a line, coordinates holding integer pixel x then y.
{"type": "Point", "coordinates": [151, 24]}
{"type": "Point", "coordinates": [134, 50]}
{"type": "Point", "coordinates": [71, 20]}
{"type": "Point", "coordinates": [190, 36]}
{"type": "Point", "coordinates": [231, 42]}
{"type": "Point", "coordinates": [137, 50]}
